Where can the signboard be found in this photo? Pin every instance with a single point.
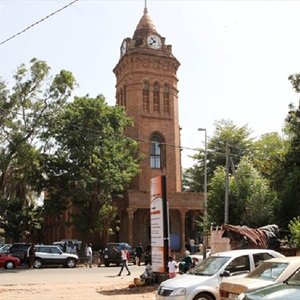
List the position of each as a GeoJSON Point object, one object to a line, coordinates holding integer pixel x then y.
{"type": "Point", "coordinates": [159, 224]}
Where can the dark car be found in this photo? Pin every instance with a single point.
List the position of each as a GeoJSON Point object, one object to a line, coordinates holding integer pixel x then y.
{"type": "Point", "coordinates": [53, 255]}
{"type": "Point", "coordinates": [290, 289]}
{"type": "Point", "coordinates": [19, 250]}
{"type": "Point", "coordinates": [112, 253]}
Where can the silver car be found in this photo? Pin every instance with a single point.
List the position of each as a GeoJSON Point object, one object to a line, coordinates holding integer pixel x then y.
{"type": "Point", "coordinates": [202, 282]}
{"type": "Point", "coordinates": [52, 255]}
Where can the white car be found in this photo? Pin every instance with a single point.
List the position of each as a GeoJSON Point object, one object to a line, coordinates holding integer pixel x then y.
{"type": "Point", "coordinates": [202, 282]}
{"type": "Point", "coordinates": [269, 272]}
{"type": "Point", "coordinates": [52, 255]}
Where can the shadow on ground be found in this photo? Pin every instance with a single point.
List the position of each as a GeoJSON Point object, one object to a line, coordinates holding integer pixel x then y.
{"type": "Point", "coordinates": [128, 290]}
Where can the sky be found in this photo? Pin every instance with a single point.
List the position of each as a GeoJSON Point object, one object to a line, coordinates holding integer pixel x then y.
{"type": "Point", "coordinates": [235, 56]}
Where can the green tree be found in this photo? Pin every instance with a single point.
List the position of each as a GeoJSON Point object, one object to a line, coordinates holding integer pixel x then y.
{"type": "Point", "coordinates": [294, 227]}
{"type": "Point", "coordinates": [268, 155]}
{"type": "Point", "coordinates": [92, 160]}
{"type": "Point", "coordinates": [289, 179]}
{"type": "Point", "coordinates": [24, 113]}
{"type": "Point", "coordinates": [239, 143]}
{"type": "Point", "coordinates": [251, 202]}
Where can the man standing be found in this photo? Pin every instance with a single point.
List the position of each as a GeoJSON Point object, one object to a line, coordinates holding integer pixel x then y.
{"type": "Point", "coordinates": [124, 255]}
{"type": "Point", "coordinates": [31, 255]}
{"type": "Point", "coordinates": [89, 255]}
{"type": "Point", "coordinates": [138, 254]}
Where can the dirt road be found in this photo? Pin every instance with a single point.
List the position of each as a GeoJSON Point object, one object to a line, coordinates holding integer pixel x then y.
{"type": "Point", "coordinates": [75, 284]}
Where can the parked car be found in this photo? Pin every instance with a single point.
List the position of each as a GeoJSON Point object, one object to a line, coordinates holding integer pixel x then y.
{"type": "Point", "coordinates": [112, 253]}
{"type": "Point", "coordinates": [19, 250]}
{"type": "Point", "coordinates": [289, 290]}
{"type": "Point", "coordinates": [4, 248]}
{"type": "Point", "coordinates": [267, 273]}
{"type": "Point", "coordinates": [53, 255]}
{"type": "Point", "coordinates": [202, 282]}
{"type": "Point", "coordinates": [8, 261]}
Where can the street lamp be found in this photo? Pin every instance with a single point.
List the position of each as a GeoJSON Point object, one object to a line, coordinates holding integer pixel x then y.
{"type": "Point", "coordinates": [205, 194]}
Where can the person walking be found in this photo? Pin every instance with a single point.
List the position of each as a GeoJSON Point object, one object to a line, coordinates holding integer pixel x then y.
{"type": "Point", "coordinates": [89, 255]}
{"type": "Point", "coordinates": [172, 266]}
{"type": "Point", "coordinates": [124, 255]}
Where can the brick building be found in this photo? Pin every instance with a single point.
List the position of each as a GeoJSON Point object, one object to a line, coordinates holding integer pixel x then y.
{"type": "Point", "coordinates": [146, 86]}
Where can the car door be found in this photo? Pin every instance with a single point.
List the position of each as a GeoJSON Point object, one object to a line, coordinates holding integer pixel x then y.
{"type": "Point", "coordinates": [44, 253]}
{"type": "Point", "coordinates": [56, 256]}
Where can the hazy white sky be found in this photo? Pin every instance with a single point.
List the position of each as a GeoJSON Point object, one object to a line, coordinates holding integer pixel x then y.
{"type": "Point", "coordinates": [235, 56]}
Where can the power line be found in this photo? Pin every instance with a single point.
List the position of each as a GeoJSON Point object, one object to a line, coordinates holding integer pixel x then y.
{"type": "Point", "coordinates": [96, 132]}
{"type": "Point", "coordinates": [36, 23]}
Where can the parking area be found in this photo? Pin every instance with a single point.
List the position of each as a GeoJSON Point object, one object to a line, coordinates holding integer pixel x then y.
{"type": "Point", "coordinates": [78, 283]}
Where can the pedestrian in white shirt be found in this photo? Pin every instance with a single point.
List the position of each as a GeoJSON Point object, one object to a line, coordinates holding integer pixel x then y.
{"type": "Point", "coordinates": [172, 266]}
{"type": "Point", "coordinates": [89, 255]}
{"type": "Point", "coordinates": [124, 255]}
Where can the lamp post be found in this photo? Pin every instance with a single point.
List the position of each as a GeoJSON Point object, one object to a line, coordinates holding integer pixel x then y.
{"type": "Point", "coordinates": [205, 193]}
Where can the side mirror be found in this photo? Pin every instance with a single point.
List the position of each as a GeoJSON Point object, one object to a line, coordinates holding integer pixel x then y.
{"type": "Point", "coordinates": [226, 273]}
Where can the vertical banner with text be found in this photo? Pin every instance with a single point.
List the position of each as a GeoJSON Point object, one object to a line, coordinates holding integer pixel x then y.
{"type": "Point", "coordinates": [159, 224]}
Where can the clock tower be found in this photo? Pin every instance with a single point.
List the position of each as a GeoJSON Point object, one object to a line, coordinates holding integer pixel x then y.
{"type": "Point", "coordinates": [146, 86]}
{"type": "Point", "coordinates": [147, 89]}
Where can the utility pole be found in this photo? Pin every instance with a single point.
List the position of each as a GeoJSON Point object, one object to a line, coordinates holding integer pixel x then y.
{"type": "Point", "coordinates": [205, 229]}
{"type": "Point", "coordinates": [226, 185]}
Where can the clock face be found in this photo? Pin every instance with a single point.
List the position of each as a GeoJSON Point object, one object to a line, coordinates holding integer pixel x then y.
{"type": "Point", "coordinates": [154, 41]}
{"type": "Point", "coordinates": [123, 48]}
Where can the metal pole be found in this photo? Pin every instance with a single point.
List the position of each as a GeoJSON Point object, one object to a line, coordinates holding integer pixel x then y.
{"type": "Point", "coordinates": [226, 185]}
{"type": "Point", "coordinates": [205, 229]}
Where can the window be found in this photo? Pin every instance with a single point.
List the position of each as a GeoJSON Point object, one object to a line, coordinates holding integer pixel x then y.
{"type": "Point", "coordinates": [121, 97]}
{"type": "Point", "coordinates": [146, 96]}
{"type": "Point", "coordinates": [239, 265]}
{"type": "Point", "coordinates": [156, 100]}
{"type": "Point", "coordinates": [118, 99]}
{"type": "Point", "coordinates": [260, 257]}
{"type": "Point", "coordinates": [155, 151]}
{"type": "Point", "coordinates": [166, 99]}
{"type": "Point", "coordinates": [124, 96]}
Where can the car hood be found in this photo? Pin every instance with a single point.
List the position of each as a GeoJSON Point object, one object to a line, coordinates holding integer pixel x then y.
{"type": "Point", "coordinates": [185, 280]}
{"type": "Point", "coordinates": [276, 292]}
{"type": "Point", "coordinates": [244, 284]}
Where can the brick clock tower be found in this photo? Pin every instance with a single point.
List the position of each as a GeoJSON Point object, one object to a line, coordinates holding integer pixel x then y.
{"type": "Point", "coordinates": [146, 86]}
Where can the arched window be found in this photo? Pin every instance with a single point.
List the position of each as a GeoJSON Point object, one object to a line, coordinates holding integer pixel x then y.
{"type": "Point", "coordinates": [146, 105]}
{"type": "Point", "coordinates": [121, 97]}
{"type": "Point", "coordinates": [156, 151]}
{"type": "Point", "coordinates": [156, 100]}
{"type": "Point", "coordinates": [118, 98]}
{"type": "Point", "coordinates": [166, 99]}
{"type": "Point", "coordinates": [124, 96]}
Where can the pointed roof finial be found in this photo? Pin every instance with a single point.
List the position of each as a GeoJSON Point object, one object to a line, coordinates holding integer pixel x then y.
{"type": "Point", "coordinates": [145, 9]}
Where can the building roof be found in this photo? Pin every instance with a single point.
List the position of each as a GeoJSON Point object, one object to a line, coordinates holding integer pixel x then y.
{"type": "Point", "coordinates": [145, 26]}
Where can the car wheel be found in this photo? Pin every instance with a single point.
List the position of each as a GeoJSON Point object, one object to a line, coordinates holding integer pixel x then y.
{"type": "Point", "coordinates": [203, 296]}
{"type": "Point", "coordinates": [106, 264]}
{"type": "Point", "coordinates": [37, 264]}
{"type": "Point", "coordinates": [71, 263]}
{"type": "Point", "coordinates": [9, 265]}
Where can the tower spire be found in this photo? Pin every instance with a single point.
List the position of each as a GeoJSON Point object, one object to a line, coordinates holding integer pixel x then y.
{"type": "Point", "coordinates": [145, 9]}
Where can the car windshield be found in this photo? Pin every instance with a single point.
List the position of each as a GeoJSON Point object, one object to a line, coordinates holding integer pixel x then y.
{"type": "Point", "coordinates": [295, 278]}
{"type": "Point", "coordinates": [268, 271]}
{"type": "Point", "coordinates": [4, 248]}
{"type": "Point", "coordinates": [209, 266]}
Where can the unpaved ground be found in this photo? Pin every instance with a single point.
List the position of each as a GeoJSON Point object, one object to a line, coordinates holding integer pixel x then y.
{"type": "Point", "coordinates": [76, 285]}
{"type": "Point", "coordinates": [77, 292]}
